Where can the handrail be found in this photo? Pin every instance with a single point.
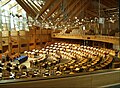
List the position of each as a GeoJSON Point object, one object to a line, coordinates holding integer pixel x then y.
{"type": "Point", "coordinates": [106, 71]}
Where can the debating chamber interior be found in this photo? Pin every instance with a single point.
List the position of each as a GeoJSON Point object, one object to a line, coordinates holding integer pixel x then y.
{"type": "Point", "coordinates": [59, 43]}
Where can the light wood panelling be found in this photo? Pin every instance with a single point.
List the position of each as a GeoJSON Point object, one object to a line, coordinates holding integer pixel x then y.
{"type": "Point", "coordinates": [22, 33]}
{"type": "Point", "coordinates": [13, 33]}
{"type": "Point", "coordinates": [44, 31]}
{"type": "Point", "coordinates": [15, 49]}
{"type": "Point", "coordinates": [37, 38]}
{"type": "Point", "coordinates": [31, 39]}
{"type": "Point", "coordinates": [0, 46]}
{"type": "Point", "coordinates": [5, 33]}
{"type": "Point", "coordinates": [38, 31]}
{"type": "Point", "coordinates": [23, 48]}
{"type": "Point", "coordinates": [32, 31]}
{"type": "Point", "coordinates": [49, 31]}
{"type": "Point", "coordinates": [44, 38]}
{"type": "Point", "coordinates": [31, 47]}
{"type": "Point", "coordinates": [14, 40]}
{"type": "Point", "coordinates": [5, 41]}
{"type": "Point", "coordinates": [23, 40]}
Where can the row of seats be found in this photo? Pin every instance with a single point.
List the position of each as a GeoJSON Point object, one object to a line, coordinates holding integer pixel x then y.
{"type": "Point", "coordinates": [77, 57]}
{"type": "Point", "coordinates": [58, 58]}
{"type": "Point", "coordinates": [10, 68]}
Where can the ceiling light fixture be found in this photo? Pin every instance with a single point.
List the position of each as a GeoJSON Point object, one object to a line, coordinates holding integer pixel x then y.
{"type": "Point", "coordinates": [82, 20]}
{"type": "Point", "coordinates": [75, 17]}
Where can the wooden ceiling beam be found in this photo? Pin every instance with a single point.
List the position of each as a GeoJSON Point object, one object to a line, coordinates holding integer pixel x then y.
{"type": "Point", "coordinates": [77, 6]}
{"type": "Point", "coordinates": [91, 13]}
{"type": "Point", "coordinates": [116, 2]}
{"type": "Point", "coordinates": [29, 7]}
{"type": "Point", "coordinates": [45, 7]}
{"type": "Point", "coordinates": [106, 3]}
{"type": "Point", "coordinates": [32, 7]}
{"type": "Point", "coordinates": [38, 9]}
{"type": "Point", "coordinates": [35, 4]}
{"type": "Point", "coordinates": [54, 8]}
{"type": "Point", "coordinates": [84, 8]}
{"type": "Point", "coordinates": [77, 10]}
{"type": "Point", "coordinates": [69, 10]}
{"type": "Point", "coordinates": [13, 5]}
{"type": "Point", "coordinates": [66, 6]}
{"type": "Point", "coordinates": [3, 3]}
{"type": "Point", "coordinates": [24, 6]}
{"type": "Point", "coordinates": [73, 12]}
{"type": "Point", "coordinates": [112, 3]}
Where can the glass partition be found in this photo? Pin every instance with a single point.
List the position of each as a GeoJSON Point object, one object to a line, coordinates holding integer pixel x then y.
{"type": "Point", "coordinates": [13, 17]}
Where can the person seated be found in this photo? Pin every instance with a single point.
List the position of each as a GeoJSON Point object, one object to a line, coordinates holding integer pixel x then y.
{"type": "Point", "coordinates": [5, 74]}
{"type": "Point", "coordinates": [3, 60]}
{"type": "Point", "coordinates": [1, 65]}
{"type": "Point", "coordinates": [9, 64]}
{"type": "Point", "coordinates": [17, 55]}
{"type": "Point", "coordinates": [18, 75]}
{"type": "Point", "coordinates": [7, 58]}
{"type": "Point", "coordinates": [0, 69]}
{"type": "Point", "coordinates": [8, 69]}
{"type": "Point", "coordinates": [16, 68]}
{"type": "Point", "coordinates": [23, 68]}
